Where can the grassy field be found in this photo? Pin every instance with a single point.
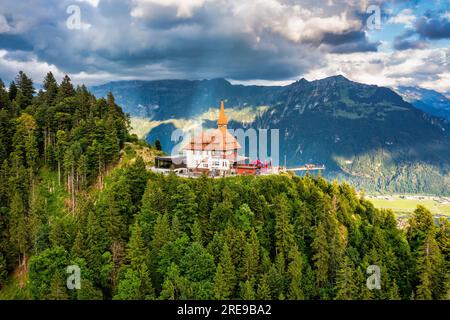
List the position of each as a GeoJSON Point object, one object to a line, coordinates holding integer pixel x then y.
{"type": "Point", "coordinates": [399, 205]}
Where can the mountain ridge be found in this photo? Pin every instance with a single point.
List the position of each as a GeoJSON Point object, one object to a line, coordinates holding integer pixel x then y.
{"type": "Point", "coordinates": [363, 133]}
{"type": "Point", "coordinates": [430, 101]}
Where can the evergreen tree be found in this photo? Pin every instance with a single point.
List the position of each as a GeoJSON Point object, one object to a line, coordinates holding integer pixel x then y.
{"type": "Point", "coordinates": [58, 289]}
{"type": "Point", "coordinates": [129, 287]}
{"type": "Point", "coordinates": [284, 230]}
{"type": "Point", "coordinates": [321, 256]}
{"type": "Point", "coordinates": [432, 272]}
{"type": "Point", "coordinates": [247, 290]}
{"type": "Point", "coordinates": [18, 228]}
{"type": "Point", "coordinates": [137, 252]}
{"type": "Point", "coordinates": [250, 261]}
{"type": "Point", "coordinates": [51, 88]}
{"type": "Point", "coordinates": [4, 97]}
{"type": "Point", "coordinates": [263, 292]}
{"type": "Point", "coordinates": [12, 91]}
{"type": "Point", "coordinates": [25, 91]}
{"type": "Point", "coordinates": [221, 290]}
{"type": "Point", "coordinates": [65, 89]}
{"type": "Point", "coordinates": [185, 206]}
{"type": "Point", "coordinates": [346, 288]}
{"type": "Point", "coordinates": [295, 274]}
{"type": "Point", "coordinates": [225, 279]}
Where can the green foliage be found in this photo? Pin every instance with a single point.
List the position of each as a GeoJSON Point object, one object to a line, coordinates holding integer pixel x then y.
{"type": "Point", "coordinates": [139, 235]}
{"type": "Point", "coordinates": [129, 287]}
{"type": "Point", "coordinates": [47, 272]}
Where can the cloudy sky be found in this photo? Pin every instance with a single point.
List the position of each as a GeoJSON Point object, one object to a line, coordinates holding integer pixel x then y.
{"type": "Point", "coordinates": [245, 41]}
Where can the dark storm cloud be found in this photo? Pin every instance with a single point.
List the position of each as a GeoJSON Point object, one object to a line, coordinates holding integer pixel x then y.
{"type": "Point", "coordinates": [151, 39]}
{"type": "Point", "coordinates": [348, 42]}
{"type": "Point", "coordinates": [207, 43]}
{"type": "Point", "coordinates": [405, 44]}
{"type": "Point", "coordinates": [407, 41]}
{"type": "Point", "coordinates": [433, 28]}
{"type": "Point", "coordinates": [14, 42]}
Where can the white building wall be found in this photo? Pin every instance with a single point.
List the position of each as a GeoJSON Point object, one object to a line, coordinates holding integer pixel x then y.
{"type": "Point", "coordinates": [205, 160]}
{"type": "Point", "coordinates": [218, 164]}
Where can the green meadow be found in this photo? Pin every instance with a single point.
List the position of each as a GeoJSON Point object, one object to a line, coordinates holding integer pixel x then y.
{"type": "Point", "coordinates": [436, 205]}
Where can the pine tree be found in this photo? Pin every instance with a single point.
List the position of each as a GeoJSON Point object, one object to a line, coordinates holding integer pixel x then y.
{"type": "Point", "coordinates": [321, 256]}
{"type": "Point", "coordinates": [160, 233]}
{"type": "Point", "coordinates": [113, 221]}
{"type": "Point", "coordinates": [51, 88]}
{"type": "Point", "coordinates": [247, 291]}
{"type": "Point", "coordinates": [25, 90]}
{"type": "Point", "coordinates": [4, 97]}
{"type": "Point", "coordinates": [277, 278]}
{"type": "Point", "coordinates": [197, 264]}
{"type": "Point", "coordinates": [18, 227]}
{"type": "Point", "coordinates": [25, 142]}
{"type": "Point", "coordinates": [221, 288]}
{"type": "Point", "coordinates": [175, 229]}
{"type": "Point", "coordinates": [250, 261]}
{"type": "Point", "coordinates": [168, 290]}
{"type": "Point", "coordinates": [185, 206]}
{"type": "Point", "coordinates": [57, 288]}
{"type": "Point", "coordinates": [65, 89]}
{"type": "Point", "coordinates": [225, 279]}
{"type": "Point", "coordinates": [346, 288]}
{"type": "Point", "coordinates": [420, 225]}
{"type": "Point", "coordinates": [129, 287]}
{"type": "Point", "coordinates": [137, 253]}
{"type": "Point", "coordinates": [431, 270]}
{"type": "Point", "coordinates": [295, 274]}
{"type": "Point", "coordinates": [263, 292]}
{"type": "Point", "coordinates": [96, 243]}
{"type": "Point", "coordinates": [196, 231]}
{"type": "Point", "coordinates": [12, 91]}
{"type": "Point", "coordinates": [284, 230]}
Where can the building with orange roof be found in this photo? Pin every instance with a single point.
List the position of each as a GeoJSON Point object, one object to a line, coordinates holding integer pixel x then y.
{"type": "Point", "coordinates": [213, 150]}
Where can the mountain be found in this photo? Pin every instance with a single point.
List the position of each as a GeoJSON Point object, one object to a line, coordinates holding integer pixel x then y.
{"type": "Point", "coordinates": [363, 133]}
{"type": "Point", "coordinates": [429, 101]}
{"type": "Point", "coordinates": [166, 99]}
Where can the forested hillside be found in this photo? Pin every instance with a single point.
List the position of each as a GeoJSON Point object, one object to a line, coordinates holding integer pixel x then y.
{"type": "Point", "coordinates": [69, 196]}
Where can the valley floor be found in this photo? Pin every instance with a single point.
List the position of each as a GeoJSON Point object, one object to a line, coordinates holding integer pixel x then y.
{"type": "Point", "coordinates": [405, 204]}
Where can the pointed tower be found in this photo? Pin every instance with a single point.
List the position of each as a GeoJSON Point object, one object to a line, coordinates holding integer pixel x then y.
{"type": "Point", "coordinates": [222, 122]}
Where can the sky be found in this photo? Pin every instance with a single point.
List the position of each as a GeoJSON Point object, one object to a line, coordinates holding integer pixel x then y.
{"type": "Point", "coordinates": [267, 42]}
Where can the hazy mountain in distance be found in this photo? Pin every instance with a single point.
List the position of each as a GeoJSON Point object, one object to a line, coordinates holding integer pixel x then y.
{"type": "Point", "coordinates": [429, 101]}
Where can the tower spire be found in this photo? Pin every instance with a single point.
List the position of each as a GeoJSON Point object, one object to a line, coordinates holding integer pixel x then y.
{"type": "Point", "coordinates": [222, 122]}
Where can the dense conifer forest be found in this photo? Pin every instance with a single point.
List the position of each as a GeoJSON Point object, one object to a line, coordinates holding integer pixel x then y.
{"type": "Point", "coordinates": [74, 190]}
